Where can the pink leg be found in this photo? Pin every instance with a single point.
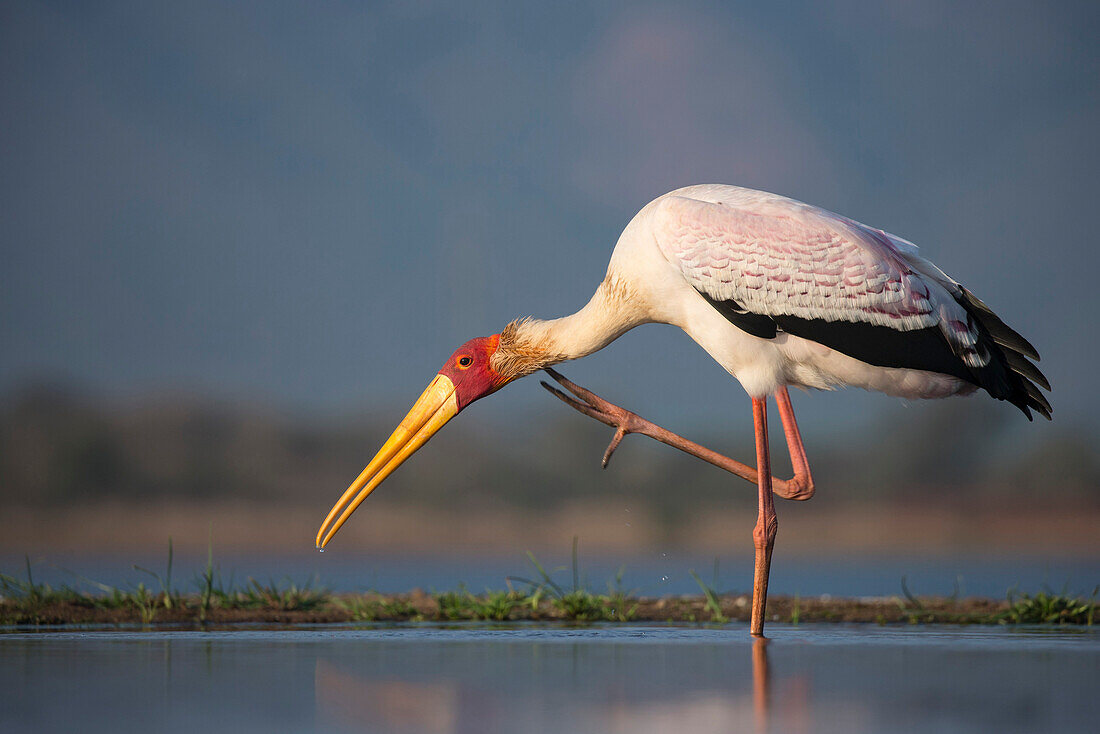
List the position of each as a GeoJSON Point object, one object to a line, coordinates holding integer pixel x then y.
{"type": "Point", "coordinates": [801, 485]}
{"type": "Point", "coordinates": [763, 535]}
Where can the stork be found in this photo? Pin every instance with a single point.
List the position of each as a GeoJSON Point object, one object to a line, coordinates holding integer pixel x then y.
{"type": "Point", "coordinates": [780, 293]}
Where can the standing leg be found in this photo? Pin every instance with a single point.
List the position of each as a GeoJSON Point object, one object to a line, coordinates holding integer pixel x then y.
{"type": "Point", "coordinates": [763, 535]}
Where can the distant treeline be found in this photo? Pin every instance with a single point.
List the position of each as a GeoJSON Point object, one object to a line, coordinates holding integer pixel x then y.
{"type": "Point", "coordinates": [61, 446]}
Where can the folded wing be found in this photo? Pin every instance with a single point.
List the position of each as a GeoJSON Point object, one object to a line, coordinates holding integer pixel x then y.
{"type": "Point", "coordinates": [769, 263]}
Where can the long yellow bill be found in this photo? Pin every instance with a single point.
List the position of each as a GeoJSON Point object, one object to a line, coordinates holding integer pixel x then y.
{"type": "Point", "coordinates": [430, 413]}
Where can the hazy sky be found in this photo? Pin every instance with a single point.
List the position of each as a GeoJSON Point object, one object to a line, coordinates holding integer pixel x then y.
{"type": "Point", "coordinates": [313, 203]}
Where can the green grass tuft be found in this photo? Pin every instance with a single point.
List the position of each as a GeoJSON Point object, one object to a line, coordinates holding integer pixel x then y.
{"type": "Point", "coordinates": [711, 597]}
{"type": "Point", "coordinates": [370, 608]}
{"type": "Point", "coordinates": [1048, 608]}
{"type": "Point", "coordinates": [577, 604]}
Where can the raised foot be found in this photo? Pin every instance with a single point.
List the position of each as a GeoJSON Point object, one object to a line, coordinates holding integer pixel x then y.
{"type": "Point", "coordinates": [801, 487]}
{"type": "Point", "coordinates": [592, 405]}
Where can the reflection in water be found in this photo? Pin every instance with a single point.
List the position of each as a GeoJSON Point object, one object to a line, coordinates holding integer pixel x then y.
{"type": "Point", "coordinates": [796, 695]}
{"type": "Point", "coordinates": [352, 700]}
{"type": "Point", "coordinates": [760, 682]}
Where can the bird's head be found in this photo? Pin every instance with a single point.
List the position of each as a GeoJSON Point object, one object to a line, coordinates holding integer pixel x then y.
{"type": "Point", "coordinates": [471, 371]}
{"type": "Point", "coordinates": [469, 374]}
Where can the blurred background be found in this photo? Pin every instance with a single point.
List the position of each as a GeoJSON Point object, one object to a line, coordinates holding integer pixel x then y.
{"type": "Point", "coordinates": [237, 241]}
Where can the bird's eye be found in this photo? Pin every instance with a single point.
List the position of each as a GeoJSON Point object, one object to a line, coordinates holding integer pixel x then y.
{"type": "Point", "coordinates": [465, 362]}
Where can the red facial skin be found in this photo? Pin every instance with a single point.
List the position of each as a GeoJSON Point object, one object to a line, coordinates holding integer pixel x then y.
{"type": "Point", "coordinates": [469, 370]}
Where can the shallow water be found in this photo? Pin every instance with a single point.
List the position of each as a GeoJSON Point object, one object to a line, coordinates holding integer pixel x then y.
{"type": "Point", "coordinates": [538, 678]}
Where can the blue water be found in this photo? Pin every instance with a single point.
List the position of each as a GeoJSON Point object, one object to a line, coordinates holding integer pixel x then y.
{"type": "Point", "coordinates": [655, 574]}
{"type": "Point", "coordinates": [532, 679]}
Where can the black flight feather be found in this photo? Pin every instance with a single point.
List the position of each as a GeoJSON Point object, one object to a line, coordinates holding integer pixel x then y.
{"type": "Point", "coordinates": [1008, 375]}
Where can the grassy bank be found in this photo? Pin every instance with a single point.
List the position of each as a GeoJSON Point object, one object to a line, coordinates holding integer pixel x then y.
{"type": "Point", "coordinates": [283, 606]}
{"type": "Point", "coordinates": [23, 601]}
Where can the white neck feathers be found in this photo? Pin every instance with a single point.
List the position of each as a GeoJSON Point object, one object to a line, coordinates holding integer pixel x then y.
{"type": "Point", "coordinates": [531, 344]}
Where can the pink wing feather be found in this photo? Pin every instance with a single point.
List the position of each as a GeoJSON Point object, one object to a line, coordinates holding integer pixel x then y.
{"type": "Point", "coordinates": [776, 256]}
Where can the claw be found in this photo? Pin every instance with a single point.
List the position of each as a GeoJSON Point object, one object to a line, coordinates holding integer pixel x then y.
{"type": "Point", "coordinates": [615, 440]}
{"type": "Point", "coordinates": [588, 410]}
{"type": "Point", "coordinates": [586, 395]}
{"type": "Point", "coordinates": [595, 407]}
{"type": "Point", "coordinates": [571, 402]}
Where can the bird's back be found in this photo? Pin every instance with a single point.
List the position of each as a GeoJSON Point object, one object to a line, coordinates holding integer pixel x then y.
{"type": "Point", "coordinates": [772, 266]}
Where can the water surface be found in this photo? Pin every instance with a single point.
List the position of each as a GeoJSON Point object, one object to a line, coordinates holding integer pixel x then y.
{"type": "Point", "coordinates": [536, 678]}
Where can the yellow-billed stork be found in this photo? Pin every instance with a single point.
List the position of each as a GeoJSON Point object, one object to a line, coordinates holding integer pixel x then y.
{"type": "Point", "coordinates": [779, 293]}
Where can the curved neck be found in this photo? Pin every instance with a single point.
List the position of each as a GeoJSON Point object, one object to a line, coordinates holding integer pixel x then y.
{"type": "Point", "coordinates": [533, 344]}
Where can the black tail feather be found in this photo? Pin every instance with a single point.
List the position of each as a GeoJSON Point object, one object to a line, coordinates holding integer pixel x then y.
{"type": "Point", "coordinates": [1023, 367]}
{"type": "Point", "coordinates": [1008, 375]}
{"type": "Point", "coordinates": [1001, 332]}
{"type": "Point", "coordinates": [1037, 401]}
